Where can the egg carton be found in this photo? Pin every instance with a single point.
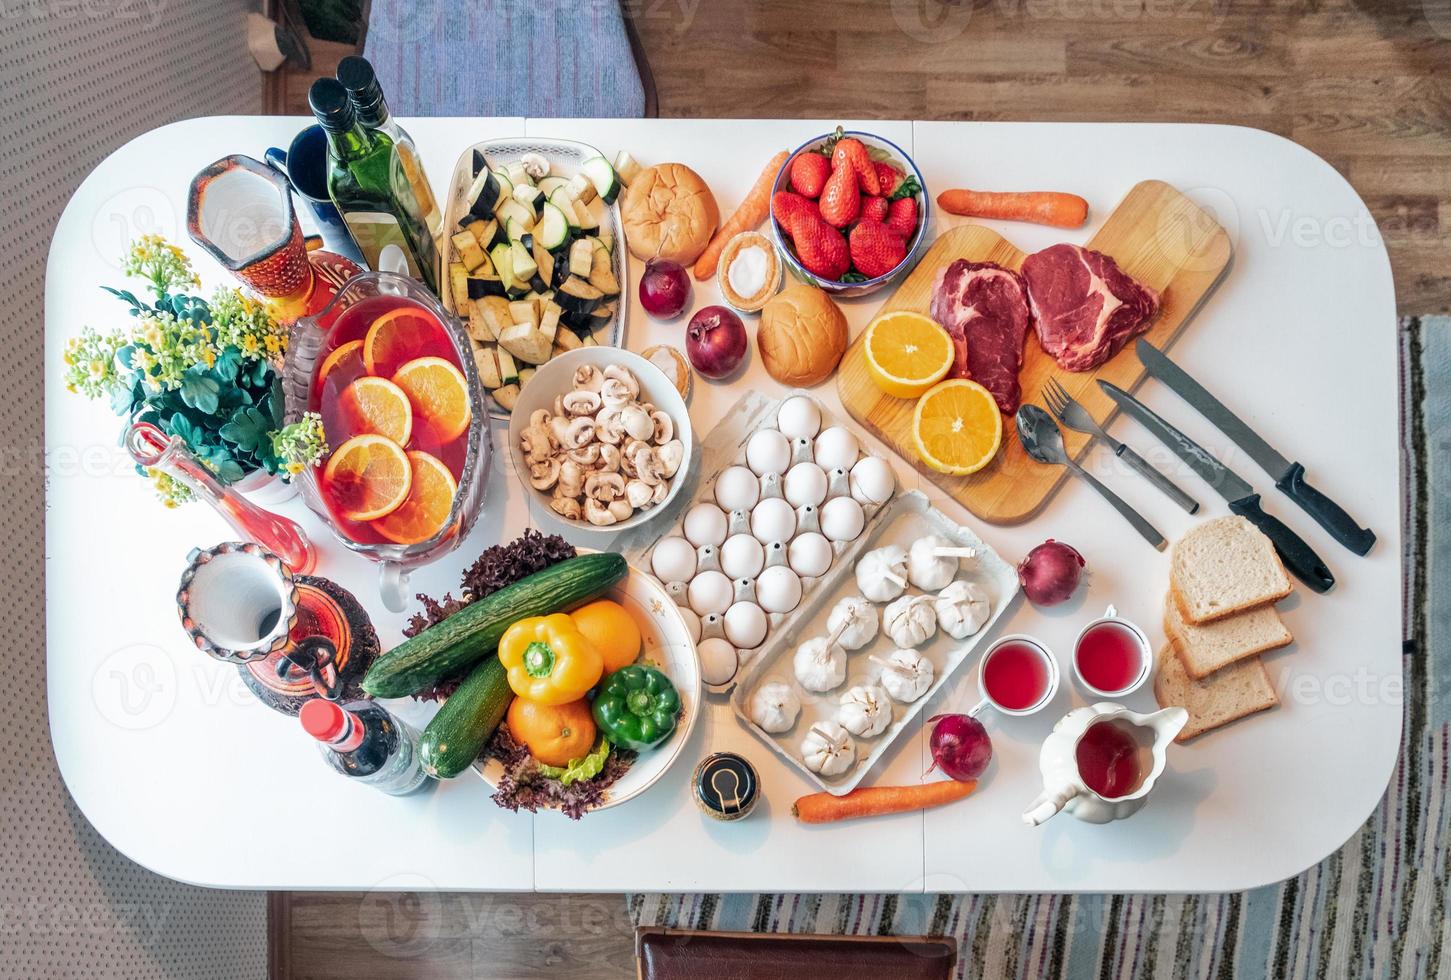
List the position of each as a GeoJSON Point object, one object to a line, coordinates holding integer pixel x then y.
{"type": "Point", "coordinates": [907, 517]}
{"type": "Point", "coordinates": [723, 448]}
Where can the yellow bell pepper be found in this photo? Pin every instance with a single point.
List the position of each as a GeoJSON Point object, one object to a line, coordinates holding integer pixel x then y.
{"type": "Point", "coordinates": [549, 661]}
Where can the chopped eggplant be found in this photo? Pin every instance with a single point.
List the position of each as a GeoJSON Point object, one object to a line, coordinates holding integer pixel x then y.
{"type": "Point", "coordinates": [526, 342]}
{"type": "Point", "coordinates": [485, 284]}
{"type": "Point", "coordinates": [602, 272]}
{"type": "Point", "coordinates": [580, 258]}
{"type": "Point", "coordinates": [581, 189]}
{"type": "Point", "coordinates": [565, 340]}
{"type": "Point", "coordinates": [483, 194]}
{"type": "Point", "coordinates": [626, 167]}
{"type": "Point", "coordinates": [466, 246]}
{"type": "Point", "coordinates": [479, 163]}
{"type": "Point", "coordinates": [549, 322]}
{"type": "Point", "coordinates": [576, 295]}
{"type": "Point", "coordinates": [480, 328]}
{"type": "Point", "coordinates": [593, 215]}
{"type": "Point", "coordinates": [458, 280]}
{"type": "Point", "coordinates": [487, 364]}
{"type": "Point", "coordinates": [545, 261]}
{"type": "Point", "coordinates": [507, 396]}
{"type": "Point", "coordinates": [524, 311]}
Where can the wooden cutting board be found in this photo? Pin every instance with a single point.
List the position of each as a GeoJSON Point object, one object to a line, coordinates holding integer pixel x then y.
{"type": "Point", "coordinates": [1156, 234]}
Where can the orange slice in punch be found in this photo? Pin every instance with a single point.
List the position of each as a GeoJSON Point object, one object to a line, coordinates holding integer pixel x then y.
{"type": "Point", "coordinates": [368, 477]}
{"type": "Point", "coordinates": [397, 337]}
{"type": "Point", "coordinates": [426, 510]}
{"type": "Point", "coordinates": [439, 394]}
{"type": "Point", "coordinates": [378, 406]}
{"type": "Point", "coordinates": [349, 356]}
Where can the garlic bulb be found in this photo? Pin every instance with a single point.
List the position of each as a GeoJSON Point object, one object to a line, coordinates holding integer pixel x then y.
{"type": "Point", "coordinates": [865, 710]}
{"type": "Point", "coordinates": [962, 609]}
{"type": "Point", "coordinates": [910, 621]}
{"type": "Point", "coordinates": [828, 749]}
{"type": "Point", "coordinates": [857, 620]}
{"type": "Point", "coordinates": [933, 562]}
{"type": "Point", "coordinates": [820, 664]}
{"type": "Point", "coordinates": [775, 707]}
{"type": "Point", "coordinates": [881, 574]}
{"type": "Point", "coordinates": [906, 675]}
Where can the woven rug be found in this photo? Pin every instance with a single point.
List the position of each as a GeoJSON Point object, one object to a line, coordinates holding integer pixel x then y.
{"type": "Point", "coordinates": [1375, 908]}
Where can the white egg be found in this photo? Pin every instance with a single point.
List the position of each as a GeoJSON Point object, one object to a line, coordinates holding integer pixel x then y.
{"type": "Point", "coordinates": [705, 523]}
{"type": "Point", "coordinates": [810, 554]}
{"type": "Point", "coordinates": [805, 484]}
{"type": "Point", "coordinates": [778, 589]}
{"type": "Point", "coordinates": [718, 661]}
{"type": "Point", "coordinates": [745, 625]}
{"type": "Point", "coordinates": [799, 417]}
{"type": "Point", "coordinates": [842, 519]}
{"type": "Point", "coordinates": [692, 622]}
{"type": "Point", "coordinates": [773, 520]}
{"type": "Point", "coordinates": [742, 557]}
{"type": "Point", "coordinates": [673, 560]}
{"type": "Point", "coordinates": [872, 481]}
{"type": "Point", "coordinates": [711, 592]}
{"type": "Point", "coordinates": [768, 451]}
{"type": "Point", "coordinates": [836, 447]}
{"type": "Point", "coordinates": [737, 489]}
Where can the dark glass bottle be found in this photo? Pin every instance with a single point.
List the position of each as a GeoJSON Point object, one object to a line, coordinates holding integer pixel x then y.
{"type": "Point", "coordinates": [407, 174]}
{"type": "Point", "coordinates": [388, 226]}
{"type": "Point", "coordinates": [363, 741]}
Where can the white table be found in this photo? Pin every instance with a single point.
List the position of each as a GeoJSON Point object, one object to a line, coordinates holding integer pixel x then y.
{"type": "Point", "coordinates": [178, 767]}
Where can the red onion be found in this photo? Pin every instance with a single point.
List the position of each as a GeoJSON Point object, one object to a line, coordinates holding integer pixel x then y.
{"type": "Point", "coordinates": [715, 341]}
{"type": "Point", "coordinates": [1050, 573]}
{"type": "Point", "coordinates": [664, 289]}
{"type": "Point", "coordinates": [960, 746]}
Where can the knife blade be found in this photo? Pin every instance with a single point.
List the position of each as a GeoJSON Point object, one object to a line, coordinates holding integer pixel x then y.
{"type": "Point", "coordinates": [1298, 556]}
{"type": "Point", "coordinates": [1289, 477]}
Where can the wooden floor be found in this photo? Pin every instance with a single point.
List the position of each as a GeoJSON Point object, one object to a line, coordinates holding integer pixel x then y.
{"type": "Point", "coordinates": [1367, 85]}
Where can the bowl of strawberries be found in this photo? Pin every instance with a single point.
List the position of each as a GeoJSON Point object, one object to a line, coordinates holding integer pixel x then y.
{"type": "Point", "coordinates": [849, 212]}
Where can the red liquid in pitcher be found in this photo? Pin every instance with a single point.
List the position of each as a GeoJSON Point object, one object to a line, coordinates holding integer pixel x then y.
{"type": "Point", "coordinates": [1108, 760]}
{"type": "Point", "coordinates": [406, 334]}
{"type": "Point", "coordinates": [1110, 657]}
{"type": "Point", "coordinates": [1016, 675]}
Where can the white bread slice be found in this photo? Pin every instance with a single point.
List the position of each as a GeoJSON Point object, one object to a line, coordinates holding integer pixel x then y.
{"type": "Point", "coordinates": [1243, 688]}
{"type": "Point", "coordinates": [1207, 647]}
{"type": "Point", "coordinates": [1223, 567]}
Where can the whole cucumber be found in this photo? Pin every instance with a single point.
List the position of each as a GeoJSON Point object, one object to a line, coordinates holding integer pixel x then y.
{"type": "Point", "coordinates": [457, 734]}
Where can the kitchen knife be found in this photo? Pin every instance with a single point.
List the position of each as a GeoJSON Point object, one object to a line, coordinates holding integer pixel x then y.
{"type": "Point", "coordinates": [1298, 556]}
{"type": "Point", "coordinates": [1289, 477]}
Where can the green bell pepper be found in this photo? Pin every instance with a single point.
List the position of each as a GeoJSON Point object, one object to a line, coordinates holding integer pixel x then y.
{"type": "Point", "coordinates": [636, 707]}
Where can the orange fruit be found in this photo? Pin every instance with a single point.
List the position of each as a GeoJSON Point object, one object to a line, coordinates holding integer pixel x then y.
{"type": "Point", "coordinates": [439, 394]}
{"type": "Point", "coordinates": [555, 735]}
{"type": "Point", "coordinates": [397, 337]}
{"type": "Point", "coordinates": [378, 406]}
{"type": "Point", "coordinates": [349, 355]}
{"type": "Point", "coordinates": [612, 631]}
{"type": "Point", "coordinates": [957, 427]}
{"type": "Point", "coordinates": [368, 477]}
{"type": "Point", "coordinates": [907, 353]}
{"type": "Point", "coordinates": [430, 498]}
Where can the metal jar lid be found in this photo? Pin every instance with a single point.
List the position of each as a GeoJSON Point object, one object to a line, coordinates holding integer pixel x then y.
{"type": "Point", "coordinates": [726, 786]}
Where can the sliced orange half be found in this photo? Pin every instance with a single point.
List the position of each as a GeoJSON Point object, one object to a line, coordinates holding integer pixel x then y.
{"type": "Point", "coordinates": [368, 477]}
{"type": "Point", "coordinates": [426, 510]}
{"type": "Point", "coordinates": [378, 406]}
{"type": "Point", "coordinates": [907, 353]}
{"type": "Point", "coordinates": [397, 337]}
{"type": "Point", "coordinates": [438, 393]}
{"type": "Point", "coordinates": [957, 427]}
{"type": "Point", "coordinates": [349, 355]}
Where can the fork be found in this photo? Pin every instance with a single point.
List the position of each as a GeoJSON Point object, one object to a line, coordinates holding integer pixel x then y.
{"type": "Point", "coordinates": [1076, 417]}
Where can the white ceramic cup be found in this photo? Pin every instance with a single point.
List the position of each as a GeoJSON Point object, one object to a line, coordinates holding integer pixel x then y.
{"type": "Point", "coordinates": [1050, 663]}
{"type": "Point", "coordinates": [1146, 659]}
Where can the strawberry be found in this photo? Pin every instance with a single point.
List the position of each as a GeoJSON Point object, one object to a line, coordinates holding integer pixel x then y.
{"type": "Point", "coordinates": [902, 216]}
{"type": "Point", "coordinates": [874, 209]}
{"type": "Point", "coordinates": [821, 248]}
{"type": "Point", "coordinates": [841, 202]}
{"type": "Point", "coordinates": [789, 208]}
{"type": "Point", "coordinates": [875, 249]}
{"type": "Point", "coordinates": [852, 153]}
{"type": "Point", "coordinates": [808, 174]}
{"type": "Point", "coordinates": [888, 177]}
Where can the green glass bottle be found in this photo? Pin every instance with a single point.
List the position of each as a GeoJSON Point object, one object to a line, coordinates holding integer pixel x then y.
{"type": "Point", "coordinates": [388, 226]}
{"type": "Point", "coordinates": [407, 172]}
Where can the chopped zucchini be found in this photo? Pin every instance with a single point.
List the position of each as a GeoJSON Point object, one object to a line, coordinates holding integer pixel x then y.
{"type": "Point", "coordinates": [506, 186]}
{"type": "Point", "coordinates": [580, 189]}
{"type": "Point", "coordinates": [592, 214]}
{"type": "Point", "coordinates": [508, 368]}
{"type": "Point", "coordinates": [548, 185]}
{"type": "Point", "coordinates": [529, 196]}
{"type": "Point", "coordinates": [503, 259]}
{"type": "Point", "coordinates": [507, 396]}
{"type": "Point", "coordinates": [512, 212]}
{"type": "Point", "coordinates": [561, 200]}
{"type": "Point", "coordinates": [526, 342]}
{"type": "Point", "coordinates": [525, 374]}
{"type": "Point", "coordinates": [487, 364]}
{"type": "Point", "coordinates": [553, 226]}
{"type": "Point", "coordinates": [578, 296]}
{"type": "Point", "coordinates": [468, 250]}
{"type": "Point", "coordinates": [606, 238]}
{"type": "Point", "coordinates": [602, 272]}
{"type": "Point", "coordinates": [626, 167]}
{"type": "Point", "coordinates": [603, 176]}
{"type": "Point", "coordinates": [524, 267]}
{"type": "Point", "coordinates": [580, 258]}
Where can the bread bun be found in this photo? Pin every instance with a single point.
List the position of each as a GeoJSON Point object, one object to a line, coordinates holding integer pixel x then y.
{"type": "Point", "coordinates": [668, 213]}
{"type": "Point", "coordinates": [802, 336]}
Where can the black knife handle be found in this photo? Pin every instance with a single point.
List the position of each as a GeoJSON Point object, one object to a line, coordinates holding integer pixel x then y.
{"type": "Point", "coordinates": [1298, 556]}
{"type": "Point", "coordinates": [1332, 516]}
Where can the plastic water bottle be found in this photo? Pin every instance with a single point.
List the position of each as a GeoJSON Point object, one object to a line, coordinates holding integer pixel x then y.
{"type": "Point", "coordinates": [363, 741]}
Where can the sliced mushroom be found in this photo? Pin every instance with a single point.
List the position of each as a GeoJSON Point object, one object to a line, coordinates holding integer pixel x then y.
{"type": "Point", "coordinates": [671, 455]}
{"type": "Point", "coordinates": [609, 427]}
{"type": "Point", "coordinates": [559, 429]}
{"type": "Point", "coordinates": [598, 514]}
{"type": "Point", "coordinates": [579, 433]}
{"type": "Point", "coordinates": [615, 372]}
{"type": "Point", "coordinates": [558, 405]}
{"type": "Point", "coordinates": [611, 459]}
{"type": "Point", "coordinates": [638, 493]}
{"type": "Point", "coordinates": [535, 165]}
{"type": "Point", "coordinates": [637, 422]}
{"type": "Point", "coordinates": [664, 427]}
{"type": "Point", "coordinates": [571, 479]}
{"type": "Point", "coordinates": [661, 491]}
{"type": "Point", "coordinates": [616, 392]}
{"type": "Point", "coordinates": [621, 510]}
{"type": "Point", "coordinates": [586, 456]}
{"type": "Point", "coordinates": [540, 416]}
{"type": "Point", "coordinates": [583, 402]}
{"type": "Point", "coordinates": [567, 507]}
{"type": "Point", "coordinates": [587, 377]}
{"type": "Point", "coordinates": [604, 486]}
{"type": "Point", "coordinates": [646, 462]}
{"type": "Point", "coordinates": [545, 474]}
{"type": "Point", "coordinates": [538, 444]}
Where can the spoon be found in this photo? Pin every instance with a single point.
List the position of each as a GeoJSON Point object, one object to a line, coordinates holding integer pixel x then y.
{"type": "Point", "coordinates": [1043, 441]}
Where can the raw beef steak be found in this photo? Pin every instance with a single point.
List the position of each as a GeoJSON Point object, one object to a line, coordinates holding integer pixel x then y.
{"type": "Point", "coordinates": [1085, 308]}
{"type": "Point", "coordinates": [984, 308]}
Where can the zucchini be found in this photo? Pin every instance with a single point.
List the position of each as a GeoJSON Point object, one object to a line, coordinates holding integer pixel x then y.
{"type": "Point", "coordinates": [463, 726]}
{"type": "Point", "coordinates": [506, 186]}
{"type": "Point", "coordinates": [502, 255]}
{"type": "Point", "coordinates": [471, 634]}
{"type": "Point", "coordinates": [553, 226]}
{"type": "Point", "coordinates": [525, 374]}
{"type": "Point", "coordinates": [524, 266]}
{"type": "Point", "coordinates": [508, 368]}
{"type": "Point", "coordinates": [516, 173]}
{"type": "Point", "coordinates": [511, 212]}
{"type": "Point", "coordinates": [603, 176]}
{"type": "Point", "coordinates": [487, 364]}
{"type": "Point", "coordinates": [548, 185]}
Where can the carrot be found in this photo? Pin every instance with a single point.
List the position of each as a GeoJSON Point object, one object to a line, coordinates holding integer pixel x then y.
{"type": "Point", "coordinates": [750, 214]}
{"type": "Point", "coordinates": [875, 800]}
{"type": "Point", "coordinates": [1040, 207]}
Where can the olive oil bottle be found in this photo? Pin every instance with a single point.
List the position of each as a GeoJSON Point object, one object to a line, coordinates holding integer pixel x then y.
{"type": "Point", "coordinates": [407, 172]}
{"type": "Point", "coordinates": [386, 221]}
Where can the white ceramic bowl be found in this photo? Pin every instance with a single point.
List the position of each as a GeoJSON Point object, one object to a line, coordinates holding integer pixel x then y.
{"type": "Point", "coordinates": [557, 377]}
{"type": "Point", "coordinates": [667, 646]}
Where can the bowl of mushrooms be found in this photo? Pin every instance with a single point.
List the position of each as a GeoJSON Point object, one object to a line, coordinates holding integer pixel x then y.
{"type": "Point", "coordinates": [602, 437]}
